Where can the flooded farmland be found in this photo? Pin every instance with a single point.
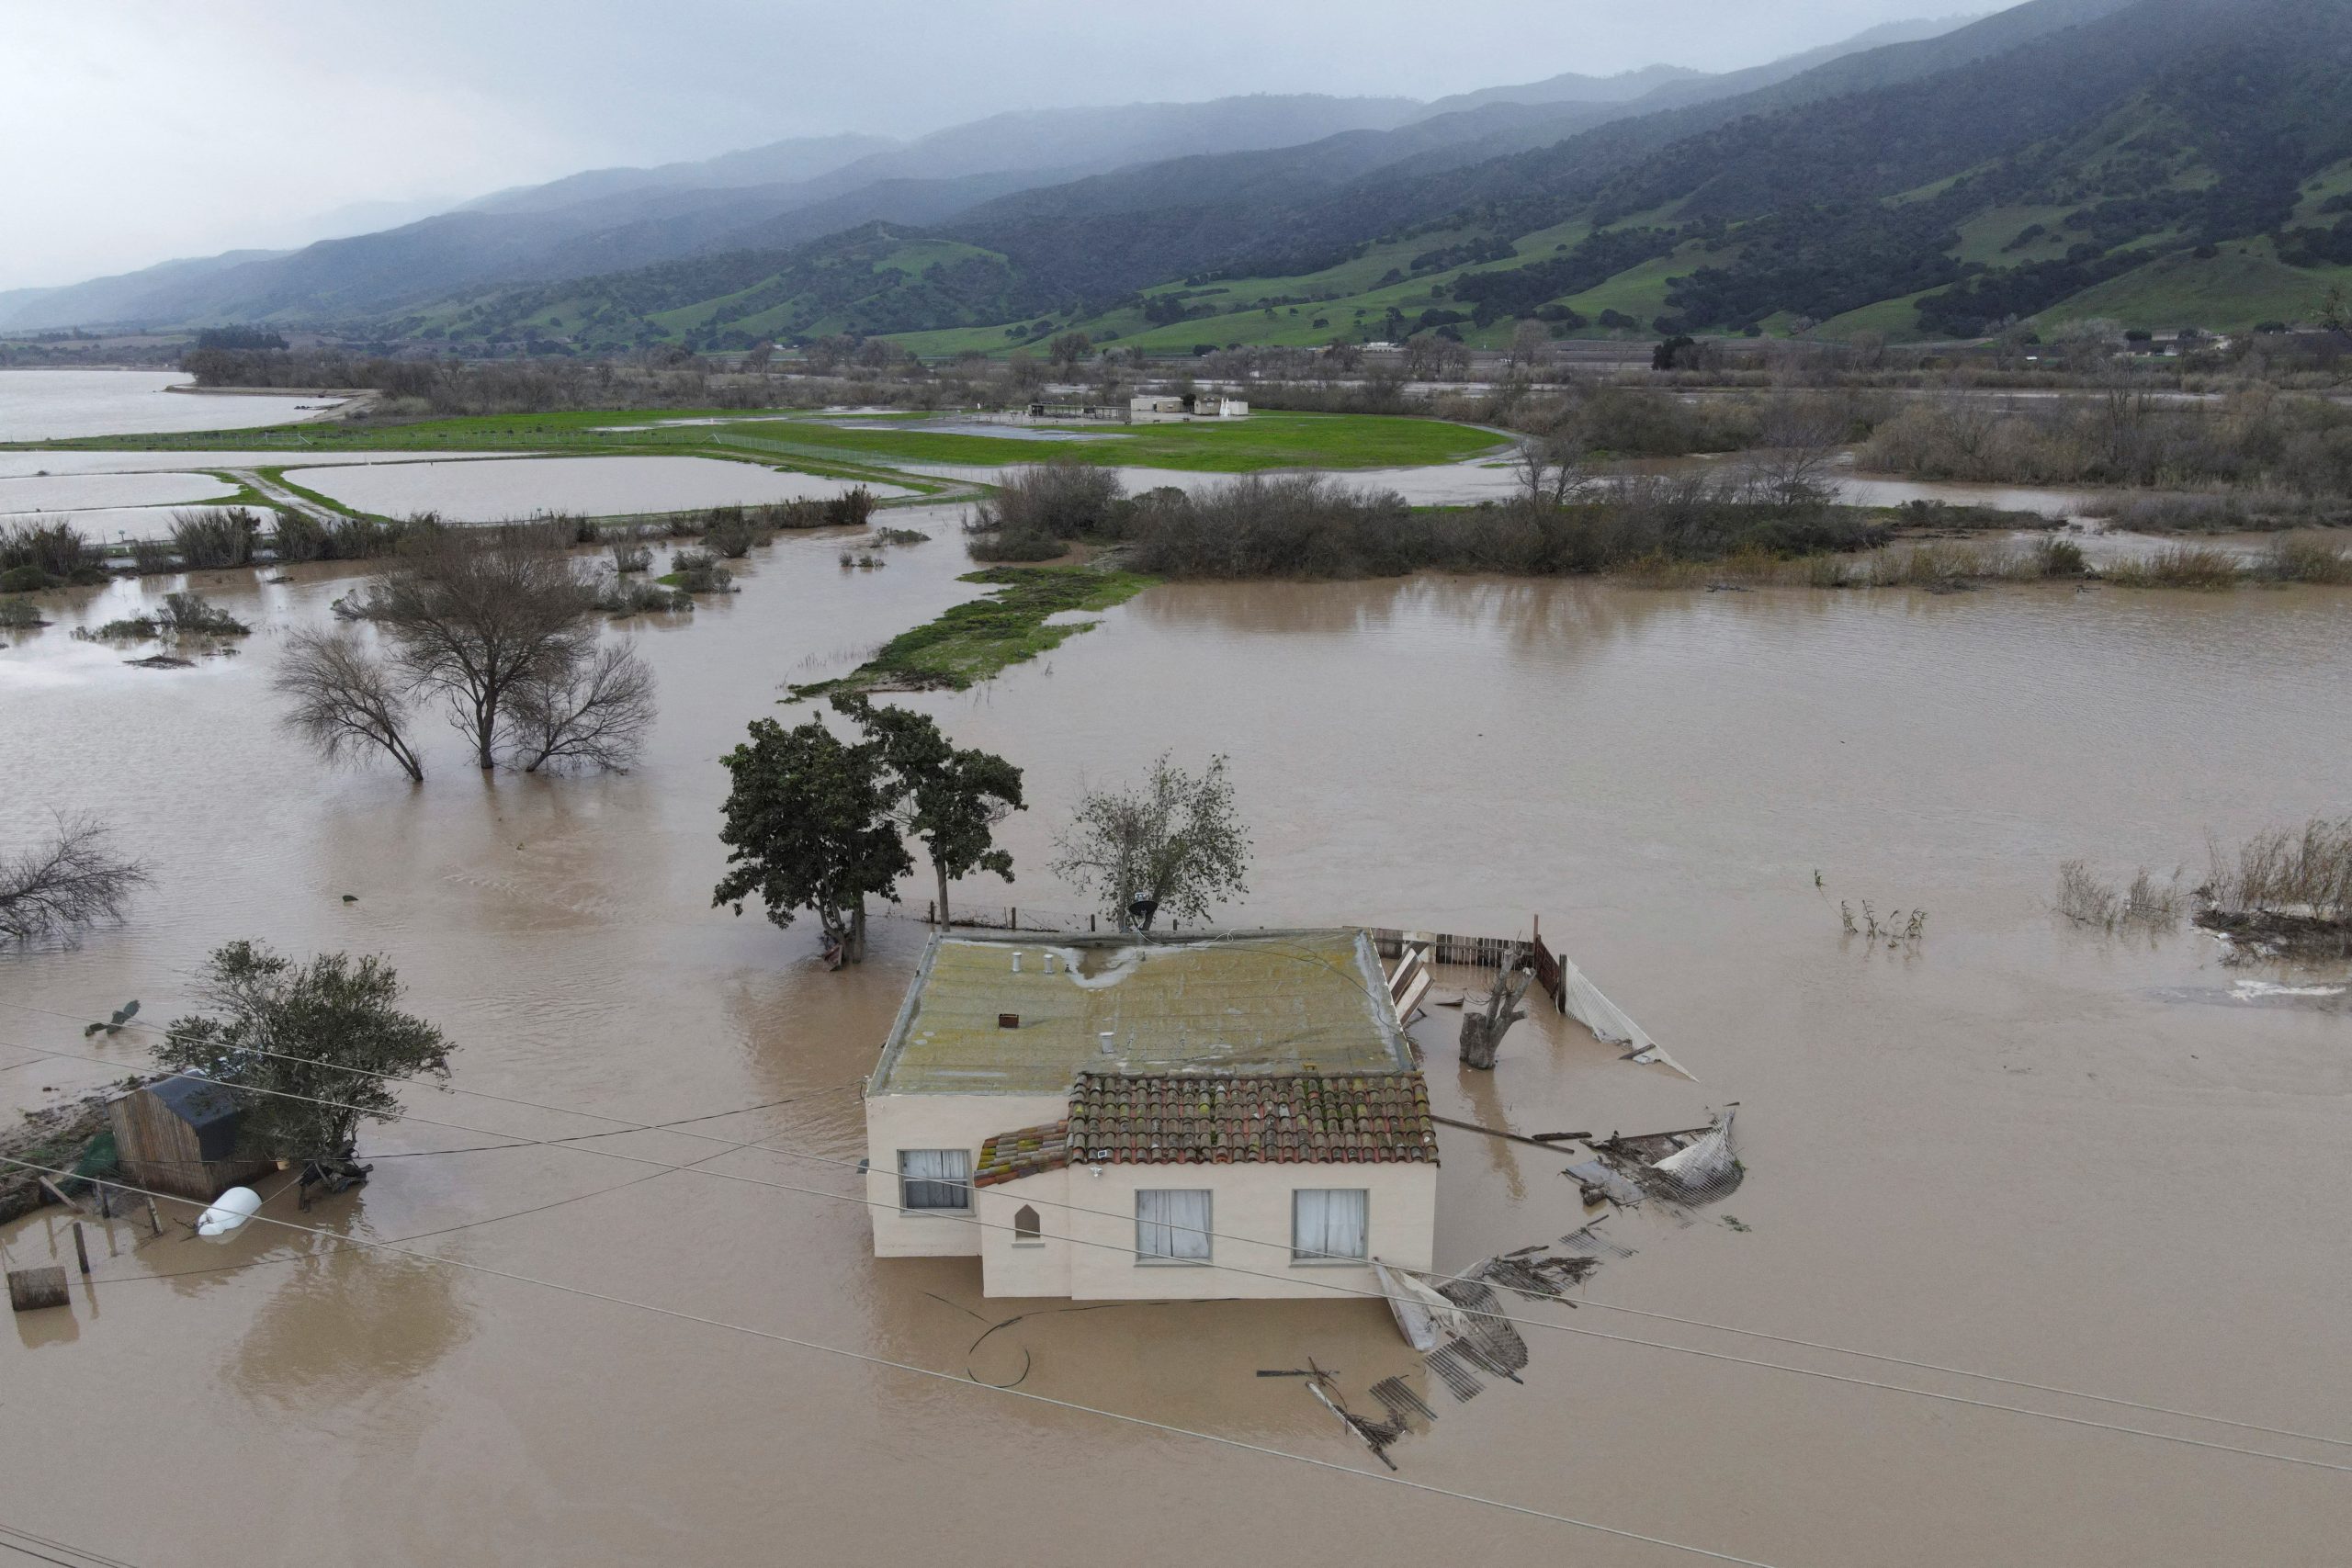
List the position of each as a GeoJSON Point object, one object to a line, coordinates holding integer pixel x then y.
{"type": "Point", "coordinates": [59, 405]}
{"type": "Point", "coordinates": [2014, 1148]}
{"type": "Point", "coordinates": [596, 487]}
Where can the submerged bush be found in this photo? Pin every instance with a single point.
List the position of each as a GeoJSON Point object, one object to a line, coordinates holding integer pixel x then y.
{"type": "Point", "coordinates": [2303, 558]}
{"type": "Point", "coordinates": [1052, 501]}
{"type": "Point", "coordinates": [629, 556]}
{"type": "Point", "coordinates": [192, 615]}
{"type": "Point", "coordinates": [698, 571]}
{"type": "Point", "coordinates": [37, 555]}
{"type": "Point", "coordinates": [212, 540]}
{"type": "Point", "coordinates": [618, 596]}
{"type": "Point", "coordinates": [301, 537]}
{"type": "Point", "coordinates": [2177, 566]}
{"type": "Point", "coordinates": [2305, 872]}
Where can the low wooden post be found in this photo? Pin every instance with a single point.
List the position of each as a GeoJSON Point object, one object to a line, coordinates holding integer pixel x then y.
{"type": "Point", "coordinates": [154, 1220]}
{"type": "Point", "coordinates": [81, 1247]}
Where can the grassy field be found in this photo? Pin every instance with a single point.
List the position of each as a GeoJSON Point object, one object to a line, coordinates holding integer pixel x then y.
{"type": "Point", "coordinates": [1263, 441]}
{"type": "Point", "coordinates": [975, 640]}
{"type": "Point", "coordinates": [806, 444]}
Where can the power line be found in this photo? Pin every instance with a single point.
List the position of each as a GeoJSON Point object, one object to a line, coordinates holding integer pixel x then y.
{"type": "Point", "coordinates": [872, 1360]}
{"type": "Point", "coordinates": [624, 1125]}
{"type": "Point", "coordinates": [98, 1557]}
{"type": "Point", "coordinates": [1336, 1288]}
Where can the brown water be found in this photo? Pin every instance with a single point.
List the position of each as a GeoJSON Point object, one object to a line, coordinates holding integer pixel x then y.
{"type": "Point", "coordinates": [2018, 1148]}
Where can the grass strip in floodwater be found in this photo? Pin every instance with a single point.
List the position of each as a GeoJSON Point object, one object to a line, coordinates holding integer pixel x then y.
{"type": "Point", "coordinates": [974, 640]}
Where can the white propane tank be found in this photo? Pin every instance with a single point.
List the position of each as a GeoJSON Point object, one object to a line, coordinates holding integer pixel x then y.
{"type": "Point", "coordinates": [229, 1211]}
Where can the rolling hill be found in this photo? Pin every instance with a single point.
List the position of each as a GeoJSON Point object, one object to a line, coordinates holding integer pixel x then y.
{"type": "Point", "coordinates": [2168, 162]}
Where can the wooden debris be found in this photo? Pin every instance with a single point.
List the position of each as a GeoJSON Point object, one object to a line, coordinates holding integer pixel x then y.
{"type": "Point", "coordinates": [31, 1290]}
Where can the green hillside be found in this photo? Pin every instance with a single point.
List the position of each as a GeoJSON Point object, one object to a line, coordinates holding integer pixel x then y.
{"type": "Point", "coordinates": [2168, 163]}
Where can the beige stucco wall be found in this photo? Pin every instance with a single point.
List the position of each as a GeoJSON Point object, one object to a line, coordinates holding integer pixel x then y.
{"type": "Point", "coordinates": [895, 1122]}
{"type": "Point", "coordinates": [1087, 1220]}
{"type": "Point", "coordinates": [1088, 1251]}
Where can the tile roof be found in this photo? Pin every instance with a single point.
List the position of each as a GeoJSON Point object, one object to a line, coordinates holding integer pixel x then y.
{"type": "Point", "coordinates": [1302, 1118]}
{"type": "Point", "coordinates": [1010, 1156]}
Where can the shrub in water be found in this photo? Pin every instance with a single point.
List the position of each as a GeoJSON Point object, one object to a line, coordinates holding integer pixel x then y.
{"type": "Point", "coordinates": [209, 540]}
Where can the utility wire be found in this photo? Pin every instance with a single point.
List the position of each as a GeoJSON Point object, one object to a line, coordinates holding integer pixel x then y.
{"type": "Point", "coordinates": [98, 1557]}
{"type": "Point", "coordinates": [623, 1124]}
{"type": "Point", "coordinates": [1344, 1289]}
{"type": "Point", "coordinates": [909, 1367]}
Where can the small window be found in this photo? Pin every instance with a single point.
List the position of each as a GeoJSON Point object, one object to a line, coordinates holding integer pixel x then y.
{"type": "Point", "coordinates": [1026, 1231]}
{"type": "Point", "coordinates": [1172, 1225]}
{"type": "Point", "coordinates": [934, 1179]}
{"type": "Point", "coordinates": [1330, 1224]}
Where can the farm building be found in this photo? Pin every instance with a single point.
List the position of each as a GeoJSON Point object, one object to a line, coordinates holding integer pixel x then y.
{"type": "Point", "coordinates": [1187, 1116]}
{"type": "Point", "coordinates": [1162, 407]}
{"type": "Point", "coordinates": [179, 1135]}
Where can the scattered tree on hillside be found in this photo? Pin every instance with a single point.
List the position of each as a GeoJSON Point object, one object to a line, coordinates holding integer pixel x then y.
{"type": "Point", "coordinates": [344, 701]}
{"type": "Point", "coordinates": [951, 799]}
{"type": "Point", "coordinates": [71, 879]}
{"type": "Point", "coordinates": [1173, 845]}
{"type": "Point", "coordinates": [808, 826]}
{"type": "Point", "coordinates": [310, 1048]}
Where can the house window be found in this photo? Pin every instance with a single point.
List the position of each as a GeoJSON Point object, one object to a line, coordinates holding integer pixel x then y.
{"type": "Point", "coordinates": [1172, 1225]}
{"type": "Point", "coordinates": [934, 1179]}
{"type": "Point", "coordinates": [1026, 1231]}
{"type": "Point", "coordinates": [1330, 1224]}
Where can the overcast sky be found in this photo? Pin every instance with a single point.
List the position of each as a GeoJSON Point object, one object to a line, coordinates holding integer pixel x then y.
{"type": "Point", "coordinates": [136, 130]}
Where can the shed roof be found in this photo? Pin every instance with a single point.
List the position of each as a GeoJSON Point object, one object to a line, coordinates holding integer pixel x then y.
{"type": "Point", "coordinates": [194, 1099]}
{"type": "Point", "coordinates": [1254, 1003]}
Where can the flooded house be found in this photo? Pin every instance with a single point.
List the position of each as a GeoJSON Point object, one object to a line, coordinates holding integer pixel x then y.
{"type": "Point", "coordinates": [1153, 1116]}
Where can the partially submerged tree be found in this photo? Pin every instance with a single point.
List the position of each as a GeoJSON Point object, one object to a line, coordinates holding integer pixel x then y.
{"type": "Point", "coordinates": [588, 713]}
{"type": "Point", "coordinates": [71, 879]}
{"type": "Point", "coordinates": [309, 1047]}
{"type": "Point", "coordinates": [809, 827]}
{"type": "Point", "coordinates": [344, 700]}
{"type": "Point", "coordinates": [476, 614]}
{"type": "Point", "coordinates": [1483, 1028]}
{"type": "Point", "coordinates": [1172, 845]}
{"type": "Point", "coordinates": [952, 799]}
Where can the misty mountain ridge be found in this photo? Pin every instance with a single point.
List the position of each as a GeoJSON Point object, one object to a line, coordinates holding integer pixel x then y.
{"type": "Point", "coordinates": [612, 219]}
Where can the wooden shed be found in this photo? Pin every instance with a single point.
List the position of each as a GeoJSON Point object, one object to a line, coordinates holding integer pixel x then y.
{"type": "Point", "coordinates": [179, 1135]}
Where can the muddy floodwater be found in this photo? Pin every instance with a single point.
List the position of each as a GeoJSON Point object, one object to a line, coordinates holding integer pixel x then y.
{"type": "Point", "coordinates": [2116, 1166]}
{"type": "Point", "coordinates": [598, 487]}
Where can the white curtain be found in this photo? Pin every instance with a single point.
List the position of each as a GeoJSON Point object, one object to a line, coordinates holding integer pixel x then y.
{"type": "Point", "coordinates": [1330, 1222]}
{"type": "Point", "coordinates": [935, 1178]}
{"type": "Point", "coordinates": [1173, 1222]}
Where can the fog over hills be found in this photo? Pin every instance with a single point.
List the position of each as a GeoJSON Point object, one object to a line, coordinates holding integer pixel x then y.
{"type": "Point", "coordinates": [612, 218]}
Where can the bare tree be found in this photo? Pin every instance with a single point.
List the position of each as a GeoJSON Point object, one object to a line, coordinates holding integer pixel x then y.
{"type": "Point", "coordinates": [591, 713]}
{"type": "Point", "coordinates": [1530, 349]}
{"type": "Point", "coordinates": [71, 880]}
{"type": "Point", "coordinates": [1483, 1029]}
{"type": "Point", "coordinates": [1553, 469]}
{"type": "Point", "coordinates": [477, 614]}
{"type": "Point", "coordinates": [1173, 846]}
{"type": "Point", "coordinates": [1797, 446]}
{"type": "Point", "coordinates": [344, 700]}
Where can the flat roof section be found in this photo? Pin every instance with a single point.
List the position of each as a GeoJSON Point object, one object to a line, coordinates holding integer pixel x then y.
{"type": "Point", "coordinates": [1254, 1002]}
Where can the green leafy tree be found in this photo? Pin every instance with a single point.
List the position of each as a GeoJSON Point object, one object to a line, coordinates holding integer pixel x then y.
{"type": "Point", "coordinates": [330, 1027]}
{"type": "Point", "coordinates": [952, 799]}
{"type": "Point", "coordinates": [808, 826]}
{"type": "Point", "coordinates": [1173, 846]}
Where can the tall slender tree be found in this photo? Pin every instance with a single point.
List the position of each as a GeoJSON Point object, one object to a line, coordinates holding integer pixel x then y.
{"type": "Point", "coordinates": [949, 797]}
